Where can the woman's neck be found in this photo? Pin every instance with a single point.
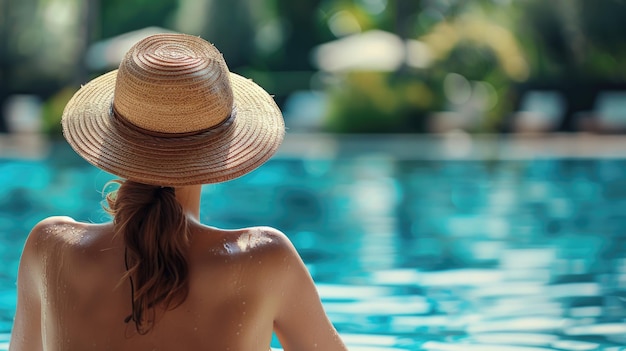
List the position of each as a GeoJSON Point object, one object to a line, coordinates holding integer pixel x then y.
{"type": "Point", "coordinates": [189, 198]}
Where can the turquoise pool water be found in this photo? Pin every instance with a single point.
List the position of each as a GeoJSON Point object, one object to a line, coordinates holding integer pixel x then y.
{"type": "Point", "coordinates": [524, 255]}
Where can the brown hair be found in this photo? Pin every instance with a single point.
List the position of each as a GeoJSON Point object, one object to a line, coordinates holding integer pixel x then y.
{"type": "Point", "coordinates": [156, 238]}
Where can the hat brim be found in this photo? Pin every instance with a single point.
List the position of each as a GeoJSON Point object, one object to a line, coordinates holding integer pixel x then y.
{"type": "Point", "coordinates": [211, 156]}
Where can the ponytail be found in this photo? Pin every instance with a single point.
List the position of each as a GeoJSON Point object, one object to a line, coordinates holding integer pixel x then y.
{"type": "Point", "coordinates": [156, 239]}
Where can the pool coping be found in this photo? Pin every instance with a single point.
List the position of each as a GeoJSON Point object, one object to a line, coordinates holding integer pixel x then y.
{"type": "Point", "coordinates": [24, 146]}
{"type": "Point", "coordinates": [448, 146]}
{"type": "Point", "coordinates": [456, 146]}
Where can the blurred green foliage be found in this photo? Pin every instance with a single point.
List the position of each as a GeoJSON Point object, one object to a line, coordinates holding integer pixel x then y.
{"type": "Point", "coordinates": [121, 16]}
{"type": "Point", "coordinates": [377, 102]}
{"type": "Point", "coordinates": [53, 110]}
{"type": "Point", "coordinates": [503, 47]}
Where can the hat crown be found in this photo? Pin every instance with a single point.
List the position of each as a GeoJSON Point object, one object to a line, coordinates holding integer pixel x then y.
{"type": "Point", "coordinates": [173, 84]}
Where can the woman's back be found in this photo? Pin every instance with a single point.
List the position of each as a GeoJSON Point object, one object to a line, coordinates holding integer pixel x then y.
{"type": "Point", "coordinates": [238, 281]}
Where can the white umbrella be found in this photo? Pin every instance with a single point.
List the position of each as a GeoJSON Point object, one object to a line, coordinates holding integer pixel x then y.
{"type": "Point", "coordinates": [374, 50]}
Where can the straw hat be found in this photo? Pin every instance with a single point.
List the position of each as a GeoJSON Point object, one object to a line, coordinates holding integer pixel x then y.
{"type": "Point", "coordinates": [173, 114]}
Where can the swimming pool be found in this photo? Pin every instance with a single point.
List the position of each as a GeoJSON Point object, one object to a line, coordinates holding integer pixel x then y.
{"type": "Point", "coordinates": [438, 255]}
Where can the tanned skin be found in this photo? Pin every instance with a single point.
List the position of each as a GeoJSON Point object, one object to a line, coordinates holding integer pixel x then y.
{"type": "Point", "coordinates": [243, 283]}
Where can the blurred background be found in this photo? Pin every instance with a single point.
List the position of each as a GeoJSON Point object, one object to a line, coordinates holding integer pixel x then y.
{"type": "Point", "coordinates": [346, 66]}
{"type": "Point", "coordinates": [453, 174]}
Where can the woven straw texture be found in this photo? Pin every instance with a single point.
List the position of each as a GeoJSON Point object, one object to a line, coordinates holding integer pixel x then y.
{"type": "Point", "coordinates": [173, 115]}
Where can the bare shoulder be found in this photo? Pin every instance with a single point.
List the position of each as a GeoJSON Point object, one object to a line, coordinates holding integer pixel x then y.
{"type": "Point", "coordinates": [260, 237]}
{"type": "Point", "coordinates": [264, 240]}
{"type": "Point", "coordinates": [56, 232]}
{"type": "Point", "coordinates": [54, 221]}
{"type": "Point", "coordinates": [43, 238]}
{"type": "Point", "coordinates": [255, 242]}
{"type": "Point", "coordinates": [56, 227]}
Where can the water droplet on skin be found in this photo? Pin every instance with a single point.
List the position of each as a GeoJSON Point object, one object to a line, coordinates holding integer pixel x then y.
{"type": "Point", "coordinates": [228, 248]}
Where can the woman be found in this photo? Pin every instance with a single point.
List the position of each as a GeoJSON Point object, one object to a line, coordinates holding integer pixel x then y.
{"type": "Point", "coordinates": [171, 118]}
